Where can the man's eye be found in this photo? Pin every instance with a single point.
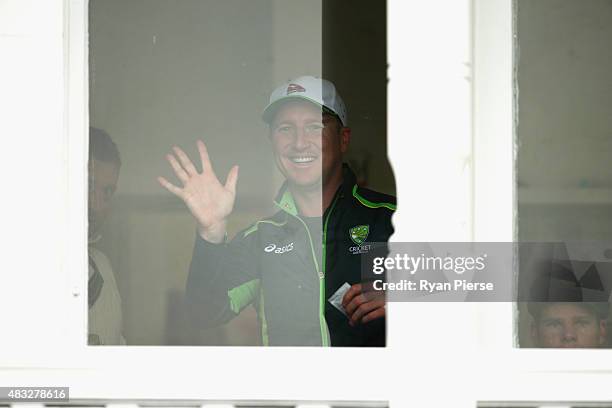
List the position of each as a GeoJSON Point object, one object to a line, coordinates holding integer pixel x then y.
{"type": "Point", "coordinates": [284, 129]}
{"type": "Point", "coordinates": [582, 323]}
{"type": "Point", "coordinates": [316, 126]}
{"type": "Point", "coordinates": [552, 323]}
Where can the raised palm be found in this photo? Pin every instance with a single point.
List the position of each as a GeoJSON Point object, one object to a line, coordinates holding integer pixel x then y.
{"type": "Point", "coordinates": [209, 201]}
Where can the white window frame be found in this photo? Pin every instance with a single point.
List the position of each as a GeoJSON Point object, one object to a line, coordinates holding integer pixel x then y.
{"type": "Point", "coordinates": [511, 373]}
{"type": "Point", "coordinates": [204, 373]}
{"type": "Point", "coordinates": [483, 363]}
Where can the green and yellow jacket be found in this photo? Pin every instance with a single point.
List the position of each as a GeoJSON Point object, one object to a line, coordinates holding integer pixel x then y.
{"type": "Point", "coordinates": [288, 266]}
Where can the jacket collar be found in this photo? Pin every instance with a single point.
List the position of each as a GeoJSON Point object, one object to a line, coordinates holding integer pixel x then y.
{"type": "Point", "coordinates": [284, 199]}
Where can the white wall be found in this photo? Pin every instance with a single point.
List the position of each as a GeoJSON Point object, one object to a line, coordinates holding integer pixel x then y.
{"type": "Point", "coordinates": [34, 192]}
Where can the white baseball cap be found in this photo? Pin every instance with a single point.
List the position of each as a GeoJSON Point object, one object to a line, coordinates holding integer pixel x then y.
{"type": "Point", "coordinates": [316, 90]}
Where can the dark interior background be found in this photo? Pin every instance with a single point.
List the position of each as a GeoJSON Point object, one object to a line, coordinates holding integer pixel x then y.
{"type": "Point", "coordinates": [355, 59]}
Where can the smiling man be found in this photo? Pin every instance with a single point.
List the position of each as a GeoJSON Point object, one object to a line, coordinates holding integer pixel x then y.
{"type": "Point", "coordinates": [299, 267]}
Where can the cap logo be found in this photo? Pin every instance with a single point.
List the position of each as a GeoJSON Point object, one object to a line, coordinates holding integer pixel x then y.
{"type": "Point", "coordinates": [292, 88]}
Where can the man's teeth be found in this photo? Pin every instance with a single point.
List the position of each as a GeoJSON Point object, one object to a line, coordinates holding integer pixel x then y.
{"type": "Point", "coordinates": [303, 159]}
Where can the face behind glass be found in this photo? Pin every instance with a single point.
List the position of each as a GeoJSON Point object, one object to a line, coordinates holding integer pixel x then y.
{"type": "Point", "coordinates": [568, 325]}
{"type": "Point", "coordinates": [307, 144]}
{"type": "Point", "coordinates": [103, 178]}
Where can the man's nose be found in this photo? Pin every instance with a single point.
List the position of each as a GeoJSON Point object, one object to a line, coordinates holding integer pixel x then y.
{"type": "Point", "coordinates": [569, 333]}
{"type": "Point", "coordinates": [300, 141]}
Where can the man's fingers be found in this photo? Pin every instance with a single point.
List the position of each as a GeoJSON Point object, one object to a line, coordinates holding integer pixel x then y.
{"type": "Point", "coordinates": [185, 162]}
{"type": "Point", "coordinates": [364, 309]}
{"type": "Point", "coordinates": [232, 179]}
{"type": "Point", "coordinates": [354, 304]}
{"type": "Point", "coordinates": [178, 170]}
{"type": "Point", "coordinates": [206, 165]}
{"type": "Point", "coordinates": [350, 294]}
{"type": "Point", "coordinates": [170, 187]}
{"type": "Point", "coordinates": [376, 314]}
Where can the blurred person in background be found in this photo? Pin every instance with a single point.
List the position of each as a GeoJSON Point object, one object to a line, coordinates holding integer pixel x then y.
{"type": "Point", "coordinates": [569, 312]}
{"type": "Point", "coordinates": [569, 324]}
{"type": "Point", "coordinates": [105, 314]}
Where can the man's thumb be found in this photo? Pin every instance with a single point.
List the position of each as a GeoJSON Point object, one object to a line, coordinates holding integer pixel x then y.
{"type": "Point", "coordinates": [232, 179]}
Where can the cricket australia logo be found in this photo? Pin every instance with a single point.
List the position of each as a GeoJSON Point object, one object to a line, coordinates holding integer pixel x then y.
{"type": "Point", "coordinates": [358, 235]}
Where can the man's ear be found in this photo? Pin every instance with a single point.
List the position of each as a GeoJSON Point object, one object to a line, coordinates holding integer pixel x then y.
{"type": "Point", "coordinates": [603, 337]}
{"type": "Point", "coordinates": [345, 139]}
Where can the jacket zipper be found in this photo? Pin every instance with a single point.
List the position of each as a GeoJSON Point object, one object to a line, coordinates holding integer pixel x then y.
{"type": "Point", "coordinates": [325, 338]}
{"type": "Point", "coordinates": [323, 324]}
{"type": "Point", "coordinates": [322, 294]}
